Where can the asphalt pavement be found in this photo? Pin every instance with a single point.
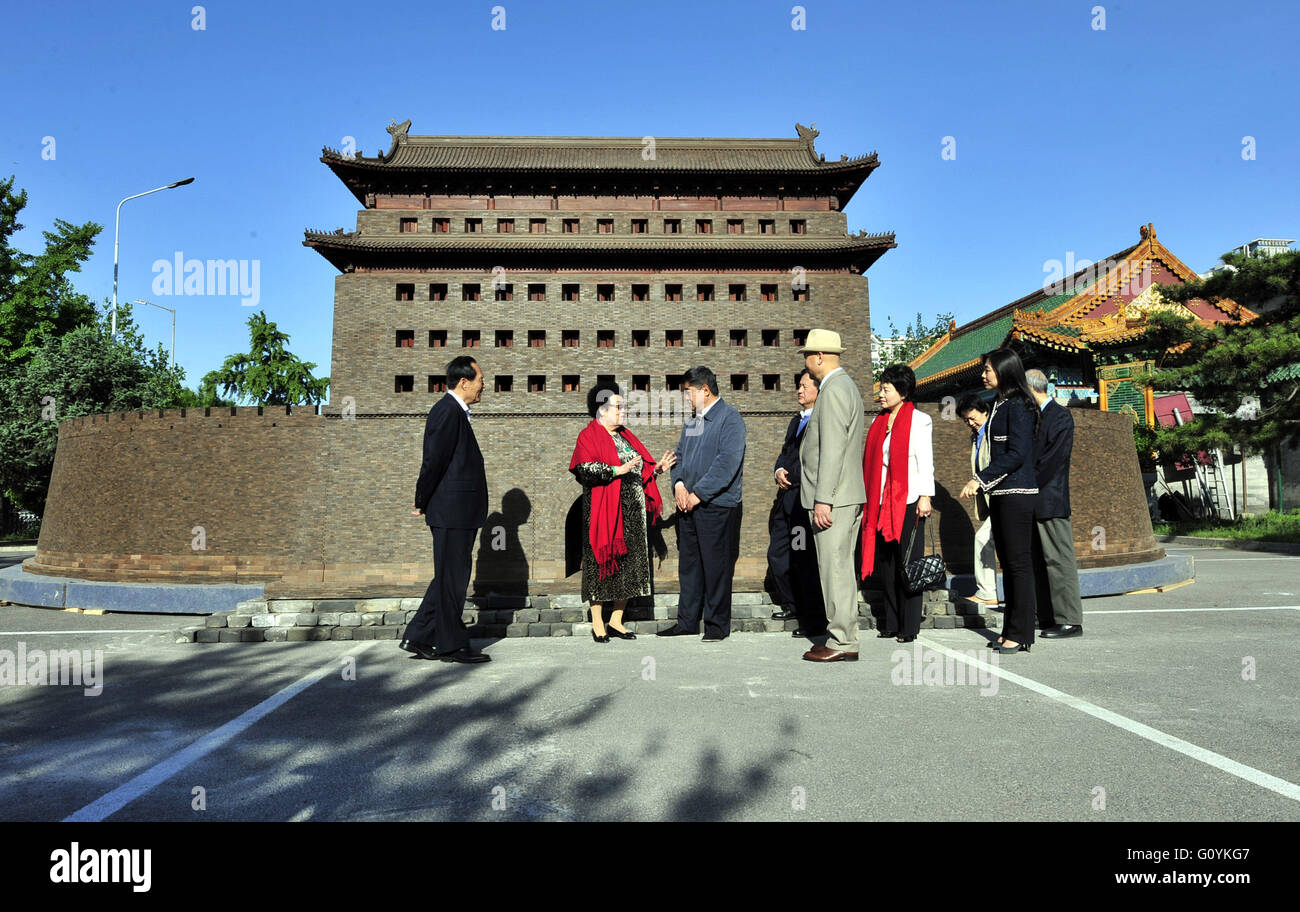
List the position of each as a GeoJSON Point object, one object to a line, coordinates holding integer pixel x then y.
{"type": "Point", "coordinates": [1174, 706]}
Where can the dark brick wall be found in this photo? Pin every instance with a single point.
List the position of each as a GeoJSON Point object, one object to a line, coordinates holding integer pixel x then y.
{"type": "Point", "coordinates": [317, 500]}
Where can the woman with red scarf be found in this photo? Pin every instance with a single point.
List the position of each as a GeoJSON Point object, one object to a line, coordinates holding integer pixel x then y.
{"type": "Point", "coordinates": [620, 488]}
{"type": "Point", "coordinates": [898, 470]}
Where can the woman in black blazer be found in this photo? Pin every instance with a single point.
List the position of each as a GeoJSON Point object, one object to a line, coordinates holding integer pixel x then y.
{"type": "Point", "coordinates": [1012, 487]}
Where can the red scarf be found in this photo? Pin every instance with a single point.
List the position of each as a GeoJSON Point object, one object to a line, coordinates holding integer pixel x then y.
{"type": "Point", "coordinates": [606, 528]}
{"type": "Point", "coordinates": [873, 466]}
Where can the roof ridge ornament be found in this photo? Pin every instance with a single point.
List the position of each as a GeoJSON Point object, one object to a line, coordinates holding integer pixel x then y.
{"type": "Point", "coordinates": [1148, 231]}
{"type": "Point", "coordinates": [807, 135]}
{"type": "Point", "coordinates": [398, 131]}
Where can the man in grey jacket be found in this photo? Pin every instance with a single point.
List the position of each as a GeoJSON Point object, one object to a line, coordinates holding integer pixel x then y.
{"type": "Point", "coordinates": [833, 491]}
{"type": "Point", "coordinates": [707, 490]}
{"type": "Point", "coordinates": [1056, 570]}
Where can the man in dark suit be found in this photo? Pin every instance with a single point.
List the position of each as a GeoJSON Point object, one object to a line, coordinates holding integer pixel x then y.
{"type": "Point", "coordinates": [1056, 571]}
{"type": "Point", "coordinates": [790, 553]}
{"type": "Point", "coordinates": [451, 494]}
{"type": "Point", "coordinates": [707, 489]}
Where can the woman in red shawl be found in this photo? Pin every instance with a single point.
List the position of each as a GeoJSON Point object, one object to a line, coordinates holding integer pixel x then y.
{"type": "Point", "coordinates": [620, 488]}
{"type": "Point", "coordinates": [898, 469]}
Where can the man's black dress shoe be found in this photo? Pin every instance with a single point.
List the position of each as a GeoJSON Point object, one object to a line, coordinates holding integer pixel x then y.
{"type": "Point", "coordinates": [465, 654]}
{"type": "Point", "coordinates": [712, 638]}
{"type": "Point", "coordinates": [785, 614]}
{"type": "Point", "coordinates": [800, 632]}
{"type": "Point", "coordinates": [1060, 631]}
{"type": "Point", "coordinates": [675, 631]}
{"type": "Point", "coordinates": [424, 652]}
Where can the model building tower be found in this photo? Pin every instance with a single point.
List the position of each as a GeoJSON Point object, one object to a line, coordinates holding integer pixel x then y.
{"type": "Point", "coordinates": [559, 262]}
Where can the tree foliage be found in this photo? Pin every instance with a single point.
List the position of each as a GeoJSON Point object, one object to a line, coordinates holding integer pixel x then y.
{"type": "Point", "coordinates": [80, 372]}
{"type": "Point", "coordinates": [37, 300]}
{"type": "Point", "coordinates": [918, 338]}
{"type": "Point", "coordinates": [1224, 365]}
{"type": "Point", "coordinates": [268, 374]}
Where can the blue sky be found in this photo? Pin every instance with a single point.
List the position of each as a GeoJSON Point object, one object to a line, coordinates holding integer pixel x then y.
{"type": "Point", "coordinates": [1067, 137]}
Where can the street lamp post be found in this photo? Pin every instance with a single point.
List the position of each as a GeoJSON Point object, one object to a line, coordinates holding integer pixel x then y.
{"type": "Point", "coordinates": [117, 220]}
{"type": "Point", "coordinates": [173, 313]}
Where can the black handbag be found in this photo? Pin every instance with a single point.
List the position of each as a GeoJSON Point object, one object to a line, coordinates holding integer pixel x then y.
{"type": "Point", "coordinates": [925, 571]}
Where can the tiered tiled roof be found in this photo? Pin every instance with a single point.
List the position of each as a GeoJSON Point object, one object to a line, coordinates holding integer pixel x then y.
{"type": "Point", "coordinates": [347, 250]}
{"type": "Point", "coordinates": [1100, 307]}
{"type": "Point", "coordinates": [430, 158]}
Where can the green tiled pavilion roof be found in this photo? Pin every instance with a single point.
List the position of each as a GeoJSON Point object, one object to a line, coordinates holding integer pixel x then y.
{"type": "Point", "coordinates": [1050, 303]}
{"type": "Point", "coordinates": [1286, 372]}
{"type": "Point", "coordinates": [1066, 329]}
{"type": "Point", "coordinates": [966, 347]}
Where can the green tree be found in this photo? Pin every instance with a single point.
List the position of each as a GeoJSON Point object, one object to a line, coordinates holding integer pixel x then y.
{"type": "Point", "coordinates": [1222, 365]}
{"type": "Point", "coordinates": [918, 336]}
{"type": "Point", "coordinates": [268, 374]}
{"type": "Point", "coordinates": [81, 372]}
{"type": "Point", "coordinates": [37, 301]}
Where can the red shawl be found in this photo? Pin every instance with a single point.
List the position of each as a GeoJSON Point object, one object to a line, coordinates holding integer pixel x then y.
{"type": "Point", "coordinates": [873, 465]}
{"type": "Point", "coordinates": [606, 528]}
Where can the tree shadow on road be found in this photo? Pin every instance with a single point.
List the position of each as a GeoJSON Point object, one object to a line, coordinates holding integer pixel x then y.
{"type": "Point", "coordinates": [404, 739]}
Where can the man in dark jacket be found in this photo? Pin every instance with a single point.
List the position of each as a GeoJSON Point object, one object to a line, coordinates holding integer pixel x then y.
{"type": "Point", "coordinates": [707, 490]}
{"type": "Point", "coordinates": [1056, 571]}
{"type": "Point", "coordinates": [451, 494]}
{"type": "Point", "coordinates": [790, 554]}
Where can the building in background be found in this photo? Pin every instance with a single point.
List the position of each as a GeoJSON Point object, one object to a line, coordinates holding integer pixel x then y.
{"type": "Point", "coordinates": [1086, 332]}
{"type": "Point", "coordinates": [563, 264]}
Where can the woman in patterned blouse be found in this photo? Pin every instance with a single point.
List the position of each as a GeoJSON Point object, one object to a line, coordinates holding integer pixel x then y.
{"type": "Point", "coordinates": [620, 489]}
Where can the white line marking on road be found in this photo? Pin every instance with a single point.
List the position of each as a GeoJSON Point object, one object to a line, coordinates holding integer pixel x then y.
{"type": "Point", "coordinates": [50, 633]}
{"type": "Point", "coordinates": [1176, 610]}
{"type": "Point", "coordinates": [1218, 761]}
{"type": "Point", "coordinates": [1238, 560]}
{"type": "Point", "coordinates": [124, 794]}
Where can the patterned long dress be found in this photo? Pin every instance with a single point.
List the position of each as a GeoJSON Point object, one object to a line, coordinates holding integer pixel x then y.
{"type": "Point", "coordinates": [632, 578]}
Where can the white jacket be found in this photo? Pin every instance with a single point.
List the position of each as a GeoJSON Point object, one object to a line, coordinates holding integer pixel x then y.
{"type": "Point", "coordinates": [920, 457]}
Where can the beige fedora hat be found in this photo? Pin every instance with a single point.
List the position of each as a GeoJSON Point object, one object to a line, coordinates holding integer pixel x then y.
{"type": "Point", "coordinates": [822, 340]}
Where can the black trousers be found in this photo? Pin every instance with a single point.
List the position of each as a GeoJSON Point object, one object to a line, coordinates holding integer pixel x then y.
{"type": "Point", "coordinates": [1013, 538]}
{"type": "Point", "coordinates": [902, 611]}
{"type": "Point", "coordinates": [708, 543]}
{"type": "Point", "coordinates": [438, 623]}
{"type": "Point", "coordinates": [792, 557]}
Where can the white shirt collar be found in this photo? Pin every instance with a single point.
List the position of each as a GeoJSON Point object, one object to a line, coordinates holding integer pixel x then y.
{"type": "Point", "coordinates": [804, 413]}
{"type": "Point", "coordinates": [460, 401]}
{"type": "Point", "coordinates": [704, 411]}
{"type": "Point", "coordinates": [829, 375]}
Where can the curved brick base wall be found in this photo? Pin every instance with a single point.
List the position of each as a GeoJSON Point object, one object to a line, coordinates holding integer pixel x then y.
{"type": "Point", "coordinates": [317, 502]}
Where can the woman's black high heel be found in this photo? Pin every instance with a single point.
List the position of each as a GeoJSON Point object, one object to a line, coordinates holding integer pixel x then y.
{"type": "Point", "coordinates": [1007, 650]}
{"type": "Point", "coordinates": [886, 636]}
{"type": "Point", "coordinates": [618, 634]}
{"type": "Point", "coordinates": [604, 639]}
{"type": "Point", "coordinates": [907, 639]}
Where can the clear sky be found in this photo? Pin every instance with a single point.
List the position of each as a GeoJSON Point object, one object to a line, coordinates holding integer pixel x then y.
{"type": "Point", "coordinates": [1066, 136]}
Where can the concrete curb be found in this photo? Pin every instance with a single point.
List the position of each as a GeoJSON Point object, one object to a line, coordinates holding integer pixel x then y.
{"type": "Point", "coordinates": [1099, 581]}
{"type": "Point", "coordinates": [22, 588]}
{"type": "Point", "coordinates": [1233, 543]}
{"type": "Point", "coordinates": [242, 613]}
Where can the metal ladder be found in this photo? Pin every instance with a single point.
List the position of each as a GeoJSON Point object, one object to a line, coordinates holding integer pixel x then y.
{"type": "Point", "coordinates": [1215, 488]}
{"type": "Point", "coordinates": [1214, 492]}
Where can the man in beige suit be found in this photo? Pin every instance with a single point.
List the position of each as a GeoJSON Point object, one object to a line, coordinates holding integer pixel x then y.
{"type": "Point", "coordinates": [833, 491]}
